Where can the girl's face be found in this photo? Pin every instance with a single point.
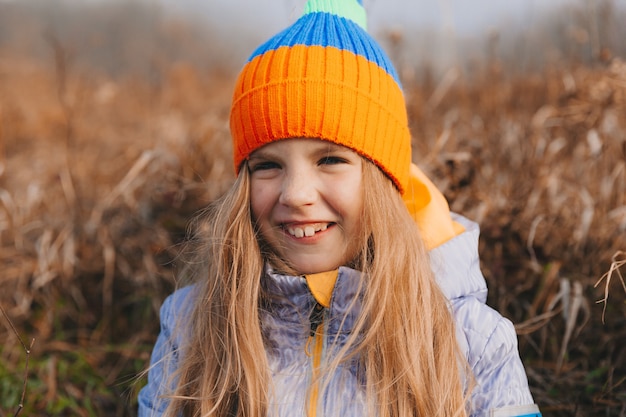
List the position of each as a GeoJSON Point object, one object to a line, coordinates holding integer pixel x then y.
{"type": "Point", "coordinates": [306, 199]}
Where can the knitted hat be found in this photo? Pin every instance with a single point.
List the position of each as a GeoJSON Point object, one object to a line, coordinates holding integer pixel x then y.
{"type": "Point", "coordinates": [324, 77]}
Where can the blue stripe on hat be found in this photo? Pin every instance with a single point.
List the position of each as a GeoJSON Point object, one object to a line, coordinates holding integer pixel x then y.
{"type": "Point", "coordinates": [329, 30]}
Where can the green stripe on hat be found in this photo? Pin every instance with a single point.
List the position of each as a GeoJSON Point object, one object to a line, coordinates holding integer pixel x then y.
{"type": "Point", "coordinates": [350, 9]}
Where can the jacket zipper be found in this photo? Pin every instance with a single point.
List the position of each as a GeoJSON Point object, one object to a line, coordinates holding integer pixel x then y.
{"type": "Point", "coordinates": [316, 343]}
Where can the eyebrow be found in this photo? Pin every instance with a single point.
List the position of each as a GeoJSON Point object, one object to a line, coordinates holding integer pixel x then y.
{"type": "Point", "coordinates": [325, 147]}
{"type": "Point", "coordinates": [336, 147]}
{"type": "Point", "coordinates": [259, 154]}
{"type": "Point", "coordinates": [322, 148]}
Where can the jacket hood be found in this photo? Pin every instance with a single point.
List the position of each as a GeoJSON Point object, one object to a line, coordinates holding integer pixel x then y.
{"type": "Point", "coordinates": [457, 266]}
{"type": "Point", "coordinates": [430, 210]}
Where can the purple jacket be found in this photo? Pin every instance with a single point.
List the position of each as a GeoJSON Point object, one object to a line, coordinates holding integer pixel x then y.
{"type": "Point", "coordinates": [486, 338]}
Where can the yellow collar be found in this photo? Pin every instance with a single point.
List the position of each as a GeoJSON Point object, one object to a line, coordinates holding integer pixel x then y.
{"type": "Point", "coordinates": [321, 286]}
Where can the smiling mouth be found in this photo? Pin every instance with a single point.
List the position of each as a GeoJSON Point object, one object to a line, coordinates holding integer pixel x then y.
{"type": "Point", "coordinates": [308, 230]}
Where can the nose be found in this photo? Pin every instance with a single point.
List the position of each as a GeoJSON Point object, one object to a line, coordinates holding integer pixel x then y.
{"type": "Point", "coordinates": [298, 188]}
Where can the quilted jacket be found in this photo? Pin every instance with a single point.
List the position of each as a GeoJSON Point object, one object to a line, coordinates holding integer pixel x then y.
{"type": "Point", "coordinates": [487, 339]}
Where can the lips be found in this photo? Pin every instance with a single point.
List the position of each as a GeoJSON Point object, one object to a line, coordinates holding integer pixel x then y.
{"type": "Point", "coordinates": [306, 230]}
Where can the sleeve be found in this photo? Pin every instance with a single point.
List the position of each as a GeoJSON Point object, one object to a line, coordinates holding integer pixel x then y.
{"type": "Point", "coordinates": [500, 382]}
{"type": "Point", "coordinates": [164, 360]}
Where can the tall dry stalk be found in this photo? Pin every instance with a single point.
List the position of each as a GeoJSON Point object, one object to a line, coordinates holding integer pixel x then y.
{"type": "Point", "coordinates": [27, 350]}
{"type": "Point", "coordinates": [618, 261]}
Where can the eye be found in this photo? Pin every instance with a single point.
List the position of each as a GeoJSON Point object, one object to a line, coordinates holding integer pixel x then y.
{"type": "Point", "coordinates": [332, 160]}
{"type": "Point", "coordinates": [263, 166]}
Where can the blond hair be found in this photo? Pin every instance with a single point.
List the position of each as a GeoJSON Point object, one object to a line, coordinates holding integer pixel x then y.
{"type": "Point", "coordinates": [404, 338]}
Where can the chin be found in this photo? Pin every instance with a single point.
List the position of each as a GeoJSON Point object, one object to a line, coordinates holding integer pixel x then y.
{"type": "Point", "coordinates": [307, 268]}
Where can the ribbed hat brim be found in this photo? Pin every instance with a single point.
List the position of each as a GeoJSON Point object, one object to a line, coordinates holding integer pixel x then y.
{"type": "Point", "coordinates": [326, 93]}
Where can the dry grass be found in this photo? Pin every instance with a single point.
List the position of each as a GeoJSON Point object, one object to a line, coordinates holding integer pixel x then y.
{"type": "Point", "coordinates": [96, 189]}
{"type": "Point", "coordinates": [99, 177]}
{"type": "Point", "coordinates": [540, 161]}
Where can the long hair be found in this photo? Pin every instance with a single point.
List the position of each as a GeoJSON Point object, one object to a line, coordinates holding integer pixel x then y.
{"type": "Point", "coordinates": [404, 338]}
{"type": "Point", "coordinates": [409, 350]}
{"type": "Point", "coordinates": [223, 371]}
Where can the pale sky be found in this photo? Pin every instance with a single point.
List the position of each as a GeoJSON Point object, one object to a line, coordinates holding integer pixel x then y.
{"type": "Point", "coordinates": [243, 23]}
{"type": "Point", "coordinates": [461, 16]}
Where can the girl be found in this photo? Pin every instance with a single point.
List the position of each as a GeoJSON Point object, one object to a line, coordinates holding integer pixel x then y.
{"type": "Point", "coordinates": [332, 279]}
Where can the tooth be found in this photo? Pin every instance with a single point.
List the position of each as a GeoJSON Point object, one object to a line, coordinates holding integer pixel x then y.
{"type": "Point", "coordinates": [291, 231]}
{"type": "Point", "coordinates": [324, 227]}
{"type": "Point", "coordinates": [298, 232]}
{"type": "Point", "coordinates": [309, 231]}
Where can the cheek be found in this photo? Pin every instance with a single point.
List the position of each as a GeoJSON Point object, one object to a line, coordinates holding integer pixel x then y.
{"type": "Point", "coordinates": [355, 216]}
{"type": "Point", "coordinates": [353, 200]}
{"type": "Point", "coordinates": [259, 201]}
{"type": "Point", "coordinates": [356, 211]}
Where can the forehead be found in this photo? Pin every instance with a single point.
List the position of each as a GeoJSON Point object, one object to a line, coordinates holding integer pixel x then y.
{"type": "Point", "coordinates": [305, 144]}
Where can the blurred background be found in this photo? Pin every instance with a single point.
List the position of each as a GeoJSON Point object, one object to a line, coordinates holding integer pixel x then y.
{"type": "Point", "coordinates": [114, 133]}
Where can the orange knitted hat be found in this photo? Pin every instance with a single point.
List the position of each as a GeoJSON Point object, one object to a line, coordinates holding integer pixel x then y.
{"type": "Point", "coordinates": [324, 77]}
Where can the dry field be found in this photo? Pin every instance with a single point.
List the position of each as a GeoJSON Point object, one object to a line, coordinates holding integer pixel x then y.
{"type": "Point", "coordinates": [100, 175]}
